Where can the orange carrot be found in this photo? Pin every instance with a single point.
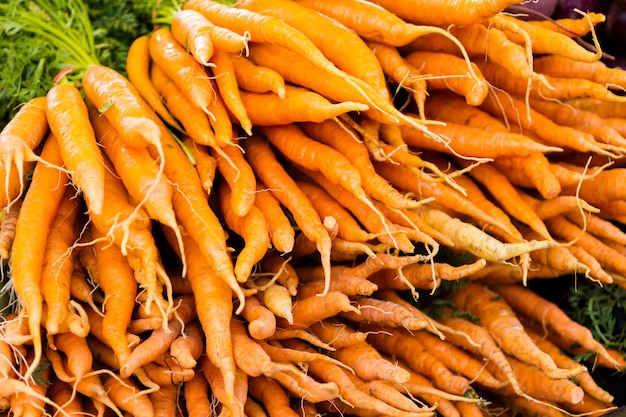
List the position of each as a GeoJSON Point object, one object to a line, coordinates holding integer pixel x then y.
{"type": "Point", "coordinates": [597, 71]}
{"type": "Point", "coordinates": [531, 171]}
{"type": "Point", "coordinates": [125, 394]}
{"type": "Point", "coordinates": [598, 226]}
{"type": "Point", "coordinates": [449, 72]}
{"type": "Point", "coordinates": [69, 122]}
{"type": "Point", "coordinates": [261, 321]}
{"type": "Point", "coordinates": [18, 139]}
{"type": "Point", "coordinates": [224, 73]}
{"type": "Point", "coordinates": [257, 79]}
{"type": "Point", "coordinates": [273, 397]}
{"type": "Point", "coordinates": [206, 165]}
{"type": "Point", "coordinates": [397, 343]}
{"type": "Point", "coordinates": [196, 392]}
{"type": "Point", "coordinates": [193, 30]}
{"type": "Point", "coordinates": [7, 228]}
{"type": "Point", "coordinates": [573, 27]}
{"type": "Point", "coordinates": [57, 268]}
{"type": "Point", "coordinates": [31, 231]}
{"type": "Point", "coordinates": [138, 68]}
{"type": "Point", "coordinates": [549, 314]}
{"type": "Point", "coordinates": [252, 227]}
{"type": "Point", "coordinates": [500, 319]}
{"type": "Point", "coordinates": [187, 348]}
{"type": "Point", "coordinates": [269, 170]}
{"type": "Point", "coordinates": [337, 333]}
{"type": "Point", "coordinates": [309, 310]}
{"type": "Point", "coordinates": [239, 176]}
{"type": "Point", "coordinates": [450, 107]}
{"type": "Point", "coordinates": [281, 231]}
{"type": "Point", "coordinates": [181, 68]}
{"type": "Point", "coordinates": [77, 352]}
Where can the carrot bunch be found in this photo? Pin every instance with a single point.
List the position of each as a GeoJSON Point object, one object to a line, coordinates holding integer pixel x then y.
{"type": "Point", "coordinates": [244, 223]}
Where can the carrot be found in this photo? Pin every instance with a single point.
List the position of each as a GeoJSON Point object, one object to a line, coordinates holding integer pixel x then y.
{"type": "Point", "coordinates": [423, 275]}
{"type": "Point", "coordinates": [269, 170]}
{"type": "Point", "coordinates": [164, 401]}
{"type": "Point", "coordinates": [167, 376]}
{"type": "Point", "coordinates": [280, 229]}
{"type": "Point", "coordinates": [77, 352]}
{"type": "Point", "coordinates": [306, 387]}
{"type": "Point", "coordinates": [273, 397]}
{"type": "Point", "coordinates": [181, 68]}
{"type": "Point", "coordinates": [449, 72]}
{"type": "Point", "coordinates": [509, 199]}
{"type": "Point", "coordinates": [450, 107]}
{"type": "Point", "coordinates": [397, 343]}
{"type": "Point", "coordinates": [18, 139]}
{"type": "Point", "coordinates": [31, 231]}
{"type": "Point", "coordinates": [187, 348]}
{"type": "Point", "coordinates": [196, 394]}
{"type": "Point", "coordinates": [309, 310]}
{"type": "Point", "coordinates": [573, 27]}
{"type": "Point", "coordinates": [140, 174]}
{"type": "Point", "coordinates": [545, 41]}
{"type": "Point", "coordinates": [385, 313]}
{"type": "Point", "coordinates": [445, 14]}
{"type": "Point", "coordinates": [500, 319]}
{"type": "Point", "coordinates": [298, 105]}
{"type": "Point", "coordinates": [138, 68]}
{"type": "Point", "coordinates": [257, 79]}
{"type": "Point", "coordinates": [57, 267]}
{"type": "Point", "coordinates": [239, 176]}
{"type": "Point", "coordinates": [598, 227]}
{"type": "Point", "coordinates": [549, 314]}
{"type": "Point", "coordinates": [284, 271]}
{"type": "Point", "coordinates": [278, 299]}
{"type": "Point", "coordinates": [558, 205]}
{"type": "Point", "coordinates": [532, 171]}
{"type": "Point", "coordinates": [597, 71]}
{"type": "Point", "coordinates": [608, 257]}
{"type": "Point", "coordinates": [462, 141]}
{"type": "Point", "coordinates": [206, 165]}
{"type": "Point", "coordinates": [224, 73]}
{"type": "Point", "coordinates": [124, 394]}
{"type": "Point", "coordinates": [605, 186]}
{"type": "Point", "coordinates": [252, 228]}
{"type": "Point", "coordinates": [344, 140]}
{"type": "Point", "coordinates": [69, 122]}
{"type": "Point", "coordinates": [61, 393]}
{"type": "Point", "coordinates": [191, 29]}
{"type": "Point", "coordinates": [261, 321]}
{"type": "Point", "coordinates": [210, 288]}
{"type": "Point", "coordinates": [342, 280]}
{"type": "Point", "coordinates": [457, 359]}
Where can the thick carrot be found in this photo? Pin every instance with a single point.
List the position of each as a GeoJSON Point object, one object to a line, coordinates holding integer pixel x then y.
{"type": "Point", "coordinates": [298, 105]}
{"type": "Point", "coordinates": [224, 73]}
{"type": "Point", "coordinates": [79, 356]}
{"type": "Point", "coordinates": [282, 233]}
{"type": "Point", "coordinates": [499, 318]}
{"type": "Point", "coordinates": [138, 68]}
{"type": "Point", "coordinates": [191, 29]}
{"type": "Point", "coordinates": [261, 321]}
{"type": "Point", "coordinates": [269, 170]}
{"type": "Point", "coordinates": [400, 344]}
{"type": "Point", "coordinates": [181, 68]}
{"type": "Point", "coordinates": [257, 79]}
{"type": "Point", "coordinates": [69, 122]}
{"type": "Point", "coordinates": [273, 397]}
{"type": "Point", "coordinates": [278, 300]}
{"type": "Point", "coordinates": [239, 176]}
{"type": "Point", "coordinates": [31, 231]}
{"type": "Point", "coordinates": [549, 314]}
{"type": "Point", "coordinates": [445, 13]}
{"type": "Point", "coordinates": [531, 171]}
{"type": "Point", "coordinates": [309, 310]}
{"type": "Point", "coordinates": [252, 227]}
{"type": "Point", "coordinates": [57, 267]}
{"type": "Point", "coordinates": [449, 72]}
{"type": "Point", "coordinates": [18, 139]}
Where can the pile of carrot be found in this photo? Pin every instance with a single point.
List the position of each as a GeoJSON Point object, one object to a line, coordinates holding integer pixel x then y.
{"type": "Point", "coordinates": [254, 220]}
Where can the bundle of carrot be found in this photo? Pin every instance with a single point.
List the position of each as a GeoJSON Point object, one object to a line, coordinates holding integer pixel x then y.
{"type": "Point", "coordinates": [254, 219]}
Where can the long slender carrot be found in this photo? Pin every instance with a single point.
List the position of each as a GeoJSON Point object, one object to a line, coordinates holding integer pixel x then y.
{"type": "Point", "coordinates": [385, 313]}
{"type": "Point", "coordinates": [273, 175]}
{"type": "Point", "coordinates": [57, 268]}
{"type": "Point", "coordinates": [69, 121]}
{"type": "Point", "coordinates": [33, 226]}
{"type": "Point", "coordinates": [206, 165]}
{"type": "Point", "coordinates": [282, 233]}
{"type": "Point", "coordinates": [138, 68]}
{"type": "Point", "coordinates": [21, 135]}
{"type": "Point", "coordinates": [239, 176]}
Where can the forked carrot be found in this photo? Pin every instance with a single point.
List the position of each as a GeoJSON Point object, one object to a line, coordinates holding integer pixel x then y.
{"type": "Point", "coordinates": [31, 231]}
{"type": "Point", "coordinates": [262, 158]}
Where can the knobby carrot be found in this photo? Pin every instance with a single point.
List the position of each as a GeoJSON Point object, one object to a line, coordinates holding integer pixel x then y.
{"type": "Point", "coordinates": [31, 233]}
{"type": "Point", "coordinates": [69, 121]}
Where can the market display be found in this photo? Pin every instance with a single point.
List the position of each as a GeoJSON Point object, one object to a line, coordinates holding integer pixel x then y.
{"type": "Point", "coordinates": [300, 207]}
